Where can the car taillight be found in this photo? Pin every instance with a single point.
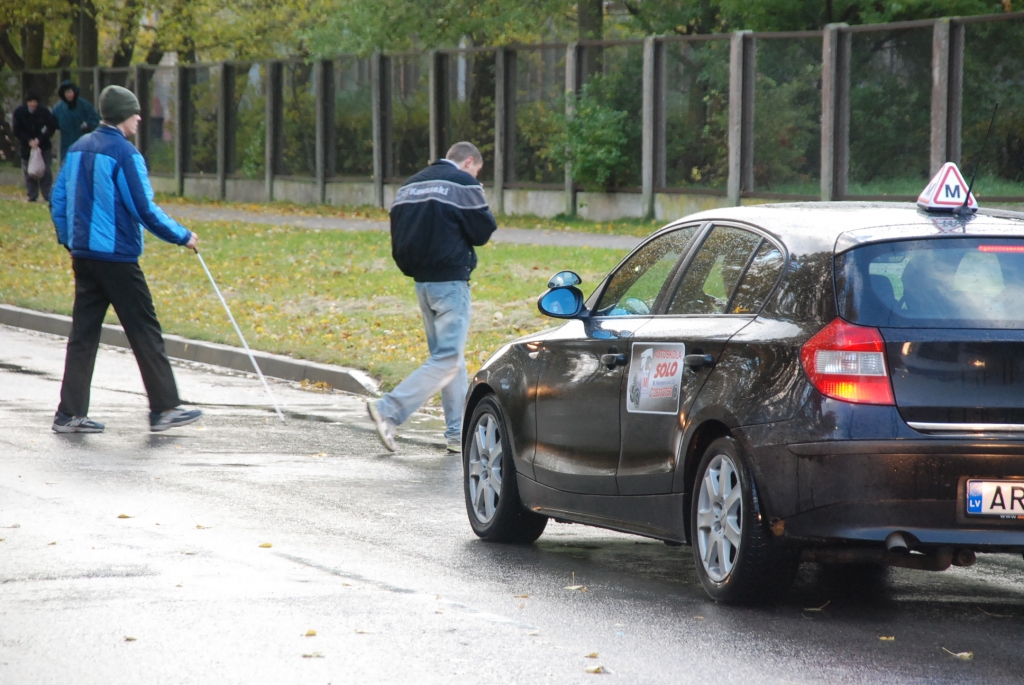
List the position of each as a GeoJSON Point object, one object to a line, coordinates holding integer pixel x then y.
{"type": "Point", "coordinates": [847, 362]}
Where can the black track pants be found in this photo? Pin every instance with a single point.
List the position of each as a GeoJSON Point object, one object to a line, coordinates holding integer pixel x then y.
{"type": "Point", "coordinates": [98, 285]}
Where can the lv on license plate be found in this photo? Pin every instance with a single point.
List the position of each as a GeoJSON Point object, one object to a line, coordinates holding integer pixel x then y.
{"type": "Point", "coordinates": [999, 498]}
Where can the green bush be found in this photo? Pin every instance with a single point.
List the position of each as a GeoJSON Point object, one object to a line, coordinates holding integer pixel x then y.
{"type": "Point", "coordinates": [593, 141]}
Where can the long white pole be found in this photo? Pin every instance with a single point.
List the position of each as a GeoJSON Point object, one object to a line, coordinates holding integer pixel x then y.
{"type": "Point", "coordinates": [241, 337]}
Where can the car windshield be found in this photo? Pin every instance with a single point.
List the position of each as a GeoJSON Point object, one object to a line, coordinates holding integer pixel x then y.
{"type": "Point", "coordinates": [936, 283]}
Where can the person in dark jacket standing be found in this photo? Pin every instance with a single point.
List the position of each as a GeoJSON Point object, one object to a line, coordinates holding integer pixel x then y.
{"type": "Point", "coordinates": [101, 201]}
{"type": "Point", "coordinates": [75, 116]}
{"type": "Point", "coordinates": [34, 125]}
{"type": "Point", "coordinates": [437, 218]}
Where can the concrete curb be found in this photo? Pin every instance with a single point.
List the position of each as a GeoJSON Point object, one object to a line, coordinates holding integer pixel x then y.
{"type": "Point", "coordinates": [275, 365]}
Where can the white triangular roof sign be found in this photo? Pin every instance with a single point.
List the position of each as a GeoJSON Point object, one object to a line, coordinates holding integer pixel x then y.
{"type": "Point", "coordinates": [946, 191]}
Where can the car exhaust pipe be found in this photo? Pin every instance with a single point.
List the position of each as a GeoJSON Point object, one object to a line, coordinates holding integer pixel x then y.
{"type": "Point", "coordinates": [894, 542]}
{"type": "Point", "coordinates": [964, 557]}
{"type": "Point", "coordinates": [935, 560]}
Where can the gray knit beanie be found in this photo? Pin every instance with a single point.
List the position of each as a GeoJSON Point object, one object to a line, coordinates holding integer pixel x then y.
{"type": "Point", "coordinates": [117, 104]}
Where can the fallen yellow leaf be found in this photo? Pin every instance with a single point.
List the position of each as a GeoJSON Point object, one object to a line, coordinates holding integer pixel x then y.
{"type": "Point", "coordinates": [266, 545]}
{"type": "Point", "coordinates": [576, 587]}
{"type": "Point", "coordinates": [595, 669]}
{"type": "Point", "coordinates": [310, 633]}
{"type": "Point", "coordinates": [592, 655]}
{"type": "Point", "coordinates": [129, 639]}
{"type": "Point", "coordinates": [520, 596]}
{"type": "Point", "coordinates": [124, 516]}
{"type": "Point", "coordinates": [52, 543]}
{"type": "Point", "coordinates": [887, 638]}
{"type": "Point", "coordinates": [360, 631]}
{"type": "Point", "coordinates": [202, 527]}
{"type": "Point", "coordinates": [963, 656]}
{"type": "Point", "coordinates": [313, 655]}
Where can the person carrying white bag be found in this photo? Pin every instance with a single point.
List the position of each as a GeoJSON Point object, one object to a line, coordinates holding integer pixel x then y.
{"type": "Point", "coordinates": [34, 125]}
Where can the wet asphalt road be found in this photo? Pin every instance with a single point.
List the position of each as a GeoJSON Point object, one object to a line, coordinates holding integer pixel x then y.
{"type": "Point", "coordinates": [373, 552]}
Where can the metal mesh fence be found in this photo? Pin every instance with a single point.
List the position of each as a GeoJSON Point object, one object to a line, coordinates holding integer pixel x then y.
{"type": "Point", "coordinates": [890, 111]}
{"type": "Point", "coordinates": [696, 116]}
{"type": "Point", "coordinates": [203, 84]}
{"type": "Point", "coordinates": [539, 102]}
{"type": "Point", "coordinates": [248, 133]}
{"type": "Point", "coordinates": [410, 115]}
{"type": "Point", "coordinates": [787, 119]}
{"type": "Point", "coordinates": [351, 151]}
{"type": "Point", "coordinates": [163, 128]}
{"type": "Point", "coordinates": [470, 104]}
{"type": "Point", "coordinates": [298, 124]}
{"type": "Point", "coordinates": [990, 76]}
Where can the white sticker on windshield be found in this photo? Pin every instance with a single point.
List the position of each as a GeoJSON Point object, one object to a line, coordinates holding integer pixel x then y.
{"type": "Point", "coordinates": [655, 376]}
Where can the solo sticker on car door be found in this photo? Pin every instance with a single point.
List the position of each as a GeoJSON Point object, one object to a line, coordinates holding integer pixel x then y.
{"type": "Point", "coordinates": [655, 376]}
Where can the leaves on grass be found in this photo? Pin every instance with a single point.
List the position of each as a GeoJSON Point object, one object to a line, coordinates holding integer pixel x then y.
{"type": "Point", "coordinates": [310, 633]}
{"type": "Point", "coordinates": [266, 545]}
{"type": "Point", "coordinates": [963, 656]}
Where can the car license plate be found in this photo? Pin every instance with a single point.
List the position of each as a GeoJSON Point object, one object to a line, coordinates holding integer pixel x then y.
{"type": "Point", "coordinates": [999, 498]}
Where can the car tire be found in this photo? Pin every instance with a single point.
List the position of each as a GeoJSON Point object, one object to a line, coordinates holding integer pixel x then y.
{"type": "Point", "coordinates": [489, 480]}
{"type": "Point", "coordinates": [738, 559]}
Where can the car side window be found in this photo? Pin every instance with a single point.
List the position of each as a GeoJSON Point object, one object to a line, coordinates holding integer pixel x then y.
{"type": "Point", "coordinates": [758, 281]}
{"type": "Point", "coordinates": [634, 288]}
{"type": "Point", "coordinates": [712, 276]}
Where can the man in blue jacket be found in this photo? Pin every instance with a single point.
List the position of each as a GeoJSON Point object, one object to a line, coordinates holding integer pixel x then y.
{"type": "Point", "coordinates": [101, 202]}
{"type": "Point", "coordinates": [75, 115]}
{"type": "Point", "coordinates": [436, 219]}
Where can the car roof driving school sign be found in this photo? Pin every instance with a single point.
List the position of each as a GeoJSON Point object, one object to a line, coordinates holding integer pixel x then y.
{"type": "Point", "coordinates": [946, 191]}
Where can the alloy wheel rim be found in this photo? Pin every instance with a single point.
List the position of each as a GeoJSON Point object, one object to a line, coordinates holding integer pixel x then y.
{"type": "Point", "coordinates": [485, 460]}
{"type": "Point", "coordinates": [720, 518]}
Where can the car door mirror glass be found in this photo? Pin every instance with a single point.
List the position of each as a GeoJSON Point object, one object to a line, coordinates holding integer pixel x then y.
{"type": "Point", "coordinates": [561, 303]}
{"type": "Point", "coordinates": [564, 279]}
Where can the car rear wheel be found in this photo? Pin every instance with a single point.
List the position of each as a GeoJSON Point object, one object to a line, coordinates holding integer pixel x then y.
{"type": "Point", "coordinates": [489, 473]}
{"type": "Point", "coordinates": [738, 560]}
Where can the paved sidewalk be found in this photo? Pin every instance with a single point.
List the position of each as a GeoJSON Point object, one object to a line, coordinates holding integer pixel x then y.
{"type": "Point", "coordinates": [521, 236]}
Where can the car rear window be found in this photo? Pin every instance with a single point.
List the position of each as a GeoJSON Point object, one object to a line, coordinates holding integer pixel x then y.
{"type": "Point", "coordinates": [937, 283]}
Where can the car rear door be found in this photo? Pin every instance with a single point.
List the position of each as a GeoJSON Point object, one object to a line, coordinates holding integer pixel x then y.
{"type": "Point", "coordinates": [719, 292]}
{"type": "Point", "coordinates": [578, 396]}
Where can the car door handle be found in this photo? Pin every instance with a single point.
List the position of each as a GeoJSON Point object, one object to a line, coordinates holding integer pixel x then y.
{"type": "Point", "coordinates": [699, 361]}
{"type": "Point", "coordinates": [613, 359]}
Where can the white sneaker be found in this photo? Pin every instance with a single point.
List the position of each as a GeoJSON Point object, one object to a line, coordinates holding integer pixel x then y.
{"type": "Point", "coordinates": [454, 445]}
{"type": "Point", "coordinates": [385, 429]}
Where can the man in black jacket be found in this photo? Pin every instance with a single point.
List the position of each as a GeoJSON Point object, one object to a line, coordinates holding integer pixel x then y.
{"type": "Point", "coordinates": [436, 219]}
{"type": "Point", "coordinates": [34, 125]}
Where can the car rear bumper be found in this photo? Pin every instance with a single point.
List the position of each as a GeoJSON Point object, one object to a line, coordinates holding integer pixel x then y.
{"type": "Point", "coordinates": [923, 523]}
{"type": "Point", "coordinates": [863, 490]}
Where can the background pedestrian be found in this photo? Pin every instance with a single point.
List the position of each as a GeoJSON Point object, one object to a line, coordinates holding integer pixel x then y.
{"type": "Point", "coordinates": [101, 198]}
{"type": "Point", "coordinates": [75, 116]}
{"type": "Point", "coordinates": [437, 218]}
{"type": "Point", "coordinates": [34, 125]}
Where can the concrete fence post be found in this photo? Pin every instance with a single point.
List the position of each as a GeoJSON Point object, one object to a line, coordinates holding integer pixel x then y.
{"type": "Point", "coordinates": [440, 126]}
{"type": "Point", "coordinates": [380, 93]}
{"type": "Point", "coordinates": [504, 91]}
{"type": "Point", "coordinates": [835, 112]}
{"type": "Point", "coordinates": [273, 125]}
{"type": "Point", "coordinates": [572, 82]}
{"type": "Point", "coordinates": [181, 119]}
{"type": "Point", "coordinates": [741, 115]}
{"type": "Point", "coordinates": [97, 84]}
{"type": "Point", "coordinates": [947, 91]}
{"type": "Point", "coordinates": [225, 144]}
{"type": "Point", "coordinates": [651, 126]}
{"type": "Point", "coordinates": [323, 72]}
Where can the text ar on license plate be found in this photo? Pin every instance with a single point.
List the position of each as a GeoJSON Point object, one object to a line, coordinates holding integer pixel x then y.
{"type": "Point", "coordinates": [1001, 498]}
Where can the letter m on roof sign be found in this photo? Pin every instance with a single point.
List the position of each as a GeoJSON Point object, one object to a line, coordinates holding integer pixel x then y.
{"type": "Point", "coordinates": [953, 191]}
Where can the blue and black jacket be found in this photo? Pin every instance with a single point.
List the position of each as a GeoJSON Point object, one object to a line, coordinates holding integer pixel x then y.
{"type": "Point", "coordinates": [102, 200]}
{"type": "Point", "coordinates": [436, 219]}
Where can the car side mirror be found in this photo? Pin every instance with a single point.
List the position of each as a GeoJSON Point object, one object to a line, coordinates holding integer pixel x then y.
{"type": "Point", "coordinates": [564, 279]}
{"type": "Point", "coordinates": [561, 303]}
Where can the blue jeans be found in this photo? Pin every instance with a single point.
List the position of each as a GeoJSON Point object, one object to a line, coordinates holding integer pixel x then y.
{"type": "Point", "coordinates": [446, 308]}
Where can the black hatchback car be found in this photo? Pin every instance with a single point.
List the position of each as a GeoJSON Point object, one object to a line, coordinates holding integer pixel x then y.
{"type": "Point", "coordinates": [828, 381]}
